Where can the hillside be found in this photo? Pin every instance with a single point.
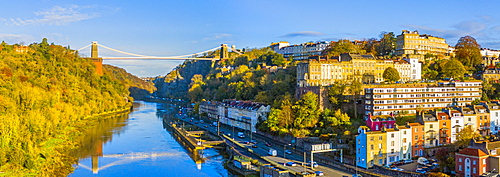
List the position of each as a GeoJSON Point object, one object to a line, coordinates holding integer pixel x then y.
{"type": "Point", "coordinates": [137, 87]}
{"type": "Point", "coordinates": [258, 74]}
{"type": "Point", "coordinates": [47, 93]}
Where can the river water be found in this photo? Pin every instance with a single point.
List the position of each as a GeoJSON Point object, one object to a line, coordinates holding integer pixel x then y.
{"type": "Point", "coordinates": [137, 144]}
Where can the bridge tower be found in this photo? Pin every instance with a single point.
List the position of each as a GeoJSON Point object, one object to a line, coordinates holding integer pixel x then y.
{"type": "Point", "coordinates": [95, 58]}
{"type": "Point", "coordinates": [223, 51]}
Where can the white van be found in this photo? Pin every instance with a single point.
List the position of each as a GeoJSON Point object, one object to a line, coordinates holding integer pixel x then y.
{"type": "Point", "coordinates": [422, 161]}
{"type": "Point", "coordinates": [272, 152]}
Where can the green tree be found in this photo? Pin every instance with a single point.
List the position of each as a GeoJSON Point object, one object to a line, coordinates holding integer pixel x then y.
{"type": "Point", "coordinates": [306, 111]}
{"type": "Point", "coordinates": [336, 95]}
{"type": "Point", "coordinates": [355, 90]}
{"type": "Point", "coordinates": [465, 135]}
{"type": "Point", "coordinates": [341, 46]}
{"type": "Point", "coordinates": [391, 74]}
{"type": "Point", "coordinates": [468, 51]}
{"type": "Point", "coordinates": [387, 44]}
{"type": "Point", "coordinates": [453, 69]}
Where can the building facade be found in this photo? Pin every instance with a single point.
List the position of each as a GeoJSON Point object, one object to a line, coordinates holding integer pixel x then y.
{"type": "Point", "coordinates": [411, 44]}
{"type": "Point", "coordinates": [324, 72]}
{"type": "Point", "coordinates": [242, 114]}
{"type": "Point", "coordinates": [407, 98]}
{"type": "Point", "coordinates": [300, 51]}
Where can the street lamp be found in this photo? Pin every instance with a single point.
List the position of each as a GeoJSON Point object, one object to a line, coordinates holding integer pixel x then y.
{"type": "Point", "coordinates": [284, 150]}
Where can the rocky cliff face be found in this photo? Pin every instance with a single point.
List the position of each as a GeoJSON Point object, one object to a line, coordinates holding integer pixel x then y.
{"type": "Point", "coordinates": [176, 83]}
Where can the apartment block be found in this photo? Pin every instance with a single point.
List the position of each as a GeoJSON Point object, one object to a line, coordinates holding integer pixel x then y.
{"type": "Point", "coordinates": [407, 98]}
{"type": "Point", "coordinates": [300, 51]}
{"type": "Point", "coordinates": [324, 72]}
{"type": "Point", "coordinates": [242, 114]}
{"type": "Point", "coordinates": [411, 44]}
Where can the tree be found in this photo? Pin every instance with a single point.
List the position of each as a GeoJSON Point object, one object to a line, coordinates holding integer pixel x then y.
{"type": "Point", "coordinates": [468, 52]}
{"type": "Point", "coordinates": [387, 44]}
{"type": "Point", "coordinates": [355, 89]}
{"type": "Point", "coordinates": [336, 94]}
{"type": "Point", "coordinates": [465, 135]}
{"type": "Point", "coordinates": [391, 74]}
{"type": "Point", "coordinates": [453, 69]}
{"type": "Point", "coordinates": [306, 111]}
{"type": "Point", "coordinates": [339, 47]}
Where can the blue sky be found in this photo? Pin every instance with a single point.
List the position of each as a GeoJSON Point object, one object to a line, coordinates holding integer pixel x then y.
{"type": "Point", "coordinates": [171, 28]}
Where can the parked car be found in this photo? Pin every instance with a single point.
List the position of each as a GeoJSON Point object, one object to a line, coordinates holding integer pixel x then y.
{"type": "Point", "coordinates": [292, 164]}
{"type": "Point", "coordinates": [319, 173]}
{"type": "Point", "coordinates": [408, 161]}
{"type": "Point", "coordinates": [419, 170]}
{"type": "Point", "coordinates": [272, 152]}
{"type": "Point", "coordinates": [268, 144]}
{"type": "Point", "coordinates": [254, 146]}
{"type": "Point", "coordinates": [288, 152]}
{"type": "Point", "coordinates": [422, 161]}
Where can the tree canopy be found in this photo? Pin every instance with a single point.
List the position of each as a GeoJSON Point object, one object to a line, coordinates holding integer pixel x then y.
{"type": "Point", "coordinates": [47, 94]}
{"type": "Point", "coordinates": [453, 69]}
{"type": "Point", "coordinates": [387, 44]}
{"type": "Point", "coordinates": [468, 51]}
{"type": "Point", "coordinates": [391, 74]}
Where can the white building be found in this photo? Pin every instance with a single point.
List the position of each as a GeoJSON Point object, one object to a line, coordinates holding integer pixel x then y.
{"type": "Point", "coordinates": [300, 51]}
{"type": "Point", "coordinates": [242, 114]}
{"type": "Point", "coordinates": [408, 97]}
{"type": "Point", "coordinates": [494, 110]}
{"type": "Point", "coordinates": [393, 145]}
{"type": "Point", "coordinates": [457, 123]}
{"type": "Point", "coordinates": [405, 139]}
{"type": "Point", "coordinates": [485, 52]}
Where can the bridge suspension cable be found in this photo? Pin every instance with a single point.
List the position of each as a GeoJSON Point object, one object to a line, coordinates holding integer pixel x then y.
{"type": "Point", "coordinates": [84, 47]}
{"type": "Point", "coordinates": [124, 52]}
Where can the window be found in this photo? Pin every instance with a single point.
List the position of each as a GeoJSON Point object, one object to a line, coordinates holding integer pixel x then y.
{"type": "Point", "coordinates": [404, 140]}
{"type": "Point", "coordinates": [380, 138]}
{"type": "Point", "coordinates": [404, 132]}
{"type": "Point", "coordinates": [371, 147]}
{"type": "Point", "coordinates": [416, 130]}
{"type": "Point", "coordinates": [392, 143]}
{"type": "Point", "coordinates": [431, 126]}
{"type": "Point", "coordinates": [392, 135]}
{"type": "Point", "coordinates": [444, 124]}
{"type": "Point", "coordinates": [460, 168]}
{"type": "Point", "coordinates": [459, 159]}
{"type": "Point", "coordinates": [392, 150]}
{"type": "Point", "coordinates": [473, 170]}
{"type": "Point", "coordinates": [416, 137]}
{"type": "Point", "coordinates": [473, 162]}
{"type": "Point", "coordinates": [359, 141]}
{"type": "Point", "coordinates": [371, 138]}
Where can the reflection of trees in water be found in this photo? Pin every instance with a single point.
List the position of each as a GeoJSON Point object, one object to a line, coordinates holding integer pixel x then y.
{"type": "Point", "coordinates": [94, 136]}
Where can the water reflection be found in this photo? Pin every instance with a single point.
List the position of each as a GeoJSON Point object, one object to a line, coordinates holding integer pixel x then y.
{"type": "Point", "coordinates": [137, 144]}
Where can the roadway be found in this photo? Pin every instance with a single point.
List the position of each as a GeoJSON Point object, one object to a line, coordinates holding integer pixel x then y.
{"type": "Point", "coordinates": [263, 149]}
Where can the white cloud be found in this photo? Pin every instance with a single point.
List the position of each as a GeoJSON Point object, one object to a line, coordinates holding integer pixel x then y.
{"type": "Point", "coordinates": [17, 38]}
{"type": "Point", "coordinates": [58, 16]}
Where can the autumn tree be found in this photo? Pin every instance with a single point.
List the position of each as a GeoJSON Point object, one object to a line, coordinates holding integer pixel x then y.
{"type": "Point", "coordinates": [465, 135]}
{"type": "Point", "coordinates": [453, 69]}
{"type": "Point", "coordinates": [341, 46]}
{"type": "Point", "coordinates": [336, 95]}
{"type": "Point", "coordinates": [306, 111]}
{"type": "Point", "coordinates": [467, 51]}
{"type": "Point", "coordinates": [391, 74]}
{"type": "Point", "coordinates": [387, 44]}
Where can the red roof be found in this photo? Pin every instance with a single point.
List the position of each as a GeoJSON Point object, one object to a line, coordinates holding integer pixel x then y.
{"type": "Point", "coordinates": [473, 152]}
